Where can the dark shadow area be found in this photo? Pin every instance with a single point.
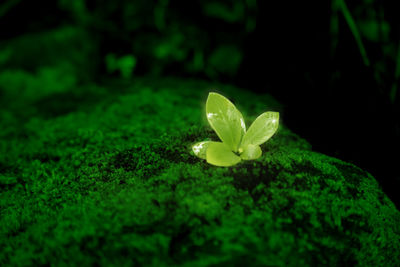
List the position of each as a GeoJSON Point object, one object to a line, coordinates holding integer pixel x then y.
{"type": "Point", "coordinates": [334, 100]}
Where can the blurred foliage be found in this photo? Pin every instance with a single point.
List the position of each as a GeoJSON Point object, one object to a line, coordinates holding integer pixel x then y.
{"type": "Point", "coordinates": [165, 36]}
{"type": "Point", "coordinates": [68, 46]}
{"type": "Point", "coordinates": [46, 81]}
{"type": "Point", "coordinates": [7, 5]}
{"type": "Point", "coordinates": [225, 59]}
{"type": "Point", "coordinates": [124, 65]}
{"type": "Point", "coordinates": [190, 38]}
{"type": "Point", "coordinates": [126, 38]}
{"type": "Point", "coordinates": [376, 34]}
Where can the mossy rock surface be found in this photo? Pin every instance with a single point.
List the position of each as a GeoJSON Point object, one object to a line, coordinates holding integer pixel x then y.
{"type": "Point", "coordinates": [110, 180]}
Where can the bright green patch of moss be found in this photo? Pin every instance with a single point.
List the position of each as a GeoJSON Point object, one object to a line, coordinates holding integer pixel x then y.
{"type": "Point", "coordinates": [110, 180]}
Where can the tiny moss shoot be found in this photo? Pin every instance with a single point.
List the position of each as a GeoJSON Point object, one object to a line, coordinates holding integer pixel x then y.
{"type": "Point", "coordinates": [237, 143]}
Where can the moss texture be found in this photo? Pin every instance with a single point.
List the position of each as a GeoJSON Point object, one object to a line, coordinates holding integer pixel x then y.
{"type": "Point", "coordinates": [104, 175]}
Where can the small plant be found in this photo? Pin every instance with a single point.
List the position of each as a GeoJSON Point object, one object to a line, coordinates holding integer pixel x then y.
{"type": "Point", "coordinates": [237, 143]}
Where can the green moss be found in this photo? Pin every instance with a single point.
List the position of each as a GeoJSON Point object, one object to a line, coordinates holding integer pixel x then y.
{"type": "Point", "coordinates": [111, 181]}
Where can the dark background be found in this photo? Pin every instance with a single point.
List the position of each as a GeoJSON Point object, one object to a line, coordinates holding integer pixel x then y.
{"type": "Point", "coordinates": [305, 53]}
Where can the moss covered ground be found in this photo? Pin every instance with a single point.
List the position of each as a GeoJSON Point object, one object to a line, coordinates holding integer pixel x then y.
{"type": "Point", "coordinates": [104, 175]}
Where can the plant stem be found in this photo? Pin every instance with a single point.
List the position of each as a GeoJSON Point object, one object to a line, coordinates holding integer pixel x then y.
{"type": "Point", "coordinates": [5, 7]}
{"type": "Point", "coordinates": [353, 28]}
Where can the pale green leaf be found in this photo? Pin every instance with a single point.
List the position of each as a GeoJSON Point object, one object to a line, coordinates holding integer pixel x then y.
{"type": "Point", "coordinates": [251, 152]}
{"type": "Point", "coordinates": [262, 129]}
{"type": "Point", "coordinates": [200, 149]}
{"type": "Point", "coordinates": [225, 119]}
{"type": "Point", "coordinates": [219, 154]}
